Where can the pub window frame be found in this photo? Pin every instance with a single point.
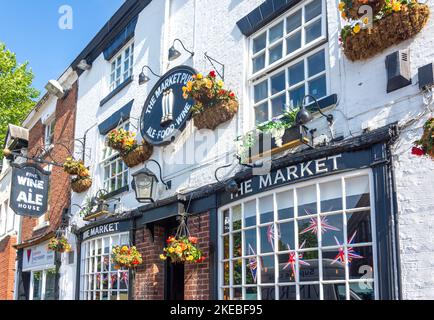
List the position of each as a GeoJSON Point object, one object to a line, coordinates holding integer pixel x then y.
{"type": "Point", "coordinates": [85, 274]}
{"type": "Point", "coordinates": [287, 60]}
{"type": "Point", "coordinates": [257, 226]}
{"type": "Point", "coordinates": [119, 72]}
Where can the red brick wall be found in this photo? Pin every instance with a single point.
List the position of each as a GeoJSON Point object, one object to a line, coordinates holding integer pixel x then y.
{"type": "Point", "coordinates": [7, 267]}
{"type": "Point", "coordinates": [60, 191]}
{"type": "Point", "coordinates": [149, 282]}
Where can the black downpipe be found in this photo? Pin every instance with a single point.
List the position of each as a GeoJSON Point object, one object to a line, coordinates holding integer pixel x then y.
{"type": "Point", "coordinates": [395, 219]}
{"type": "Point", "coordinates": [77, 272]}
{"type": "Point", "coordinates": [132, 273]}
{"type": "Point", "coordinates": [57, 264]}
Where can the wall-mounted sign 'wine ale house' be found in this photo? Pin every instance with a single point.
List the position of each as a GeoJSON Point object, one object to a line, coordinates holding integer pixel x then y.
{"type": "Point", "coordinates": [29, 190]}
{"type": "Point", "coordinates": [166, 111]}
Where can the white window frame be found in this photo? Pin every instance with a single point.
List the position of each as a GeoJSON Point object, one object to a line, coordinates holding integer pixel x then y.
{"type": "Point", "coordinates": [85, 273]}
{"type": "Point", "coordinates": [267, 77]}
{"type": "Point", "coordinates": [276, 253]}
{"type": "Point", "coordinates": [49, 132]}
{"type": "Point", "coordinates": [43, 287]}
{"type": "Point", "coordinates": [111, 157]}
{"type": "Point", "coordinates": [119, 72]}
{"type": "Point", "coordinates": [286, 57]}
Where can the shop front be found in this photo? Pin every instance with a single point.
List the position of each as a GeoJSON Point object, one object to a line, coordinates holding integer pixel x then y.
{"type": "Point", "coordinates": [318, 226]}
{"type": "Point", "coordinates": [99, 277]}
{"type": "Point", "coordinates": [38, 274]}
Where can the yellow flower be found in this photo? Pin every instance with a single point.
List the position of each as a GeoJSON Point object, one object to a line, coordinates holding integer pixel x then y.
{"type": "Point", "coordinates": [190, 258]}
{"type": "Point", "coordinates": [163, 257]}
{"type": "Point", "coordinates": [199, 76]}
{"type": "Point", "coordinates": [185, 96]}
{"type": "Point", "coordinates": [341, 6]}
{"type": "Point", "coordinates": [365, 20]}
{"type": "Point", "coordinates": [171, 250]}
{"type": "Point", "coordinates": [356, 28]}
{"type": "Point", "coordinates": [220, 83]}
{"type": "Point", "coordinates": [396, 6]}
{"type": "Point", "coordinates": [184, 89]}
{"type": "Point", "coordinates": [343, 14]}
{"type": "Point", "coordinates": [208, 83]}
{"type": "Point", "coordinates": [189, 86]}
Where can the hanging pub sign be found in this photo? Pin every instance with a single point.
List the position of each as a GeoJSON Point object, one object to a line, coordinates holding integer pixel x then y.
{"type": "Point", "coordinates": [29, 190]}
{"type": "Point", "coordinates": [166, 111]}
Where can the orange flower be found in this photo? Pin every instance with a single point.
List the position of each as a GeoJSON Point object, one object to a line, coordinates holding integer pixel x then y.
{"type": "Point", "coordinates": [193, 240]}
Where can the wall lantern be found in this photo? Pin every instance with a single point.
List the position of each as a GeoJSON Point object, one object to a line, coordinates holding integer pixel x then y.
{"type": "Point", "coordinates": [174, 53]}
{"type": "Point", "coordinates": [143, 78]}
{"type": "Point", "coordinates": [304, 116]}
{"type": "Point", "coordinates": [145, 184]}
{"type": "Point", "coordinates": [231, 186]}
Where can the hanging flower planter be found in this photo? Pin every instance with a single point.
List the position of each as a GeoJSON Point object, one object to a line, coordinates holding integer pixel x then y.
{"type": "Point", "coordinates": [182, 248]}
{"type": "Point", "coordinates": [60, 245]}
{"type": "Point", "coordinates": [213, 104]}
{"type": "Point", "coordinates": [396, 22]}
{"type": "Point", "coordinates": [350, 8]}
{"type": "Point", "coordinates": [81, 184]}
{"type": "Point", "coordinates": [138, 155]}
{"type": "Point", "coordinates": [126, 257]}
{"type": "Point", "coordinates": [74, 167]}
{"type": "Point", "coordinates": [131, 152]}
{"type": "Point", "coordinates": [425, 146]}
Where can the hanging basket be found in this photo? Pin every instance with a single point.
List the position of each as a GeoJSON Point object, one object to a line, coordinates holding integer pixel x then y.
{"type": "Point", "coordinates": [425, 146]}
{"type": "Point", "coordinates": [388, 31]}
{"type": "Point", "coordinates": [353, 9]}
{"type": "Point", "coordinates": [80, 185]}
{"type": "Point", "coordinates": [125, 257]}
{"type": "Point", "coordinates": [139, 155]}
{"type": "Point", "coordinates": [212, 117]}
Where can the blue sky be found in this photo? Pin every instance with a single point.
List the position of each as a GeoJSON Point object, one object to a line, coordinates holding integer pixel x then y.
{"type": "Point", "coordinates": [30, 29]}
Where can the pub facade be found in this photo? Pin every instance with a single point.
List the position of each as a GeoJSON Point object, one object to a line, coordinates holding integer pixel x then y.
{"type": "Point", "coordinates": [332, 207]}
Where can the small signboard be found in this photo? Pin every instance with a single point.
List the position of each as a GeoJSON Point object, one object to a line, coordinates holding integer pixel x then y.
{"type": "Point", "coordinates": [38, 257]}
{"type": "Point", "coordinates": [29, 190]}
{"type": "Point", "coordinates": [166, 112]}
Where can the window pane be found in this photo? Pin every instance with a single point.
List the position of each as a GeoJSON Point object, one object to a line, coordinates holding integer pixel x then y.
{"type": "Point", "coordinates": [286, 232]}
{"type": "Point", "coordinates": [331, 269]}
{"type": "Point", "coordinates": [357, 190]}
{"type": "Point", "coordinates": [261, 91]}
{"type": "Point", "coordinates": [278, 105]}
{"type": "Point", "coordinates": [285, 205]}
{"type": "Point", "coordinates": [287, 293]}
{"type": "Point", "coordinates": [334, 291]}
{"type": "Point", "coordinates": [296, 96]}
{"type": "Point", "coordinates": [226, 247]}
{"type": "Point", "coordinates": [267, 239]}
{"type": "Point", "coordinates": [306, 200]}
{"type": "Point", "coordinates": [293, 21]}
{"type": "Point", "coordinates": [293, 42]}
{"type": "Point", "coordinates": [251, 269]}
{"type": "Point", "coordinates": [296, 73]}
{"type": "Point", "coordinates": [268, 293]}
{"type": "Point", "coordinates": [359, 226]}
{"type": "Point", "coordinates": [308, 233]}
{"type": "Point", "coordinates": [362, 291]}
{"type": "Point", "coordinates": [238, 294]}
{"type": "Point", "coordinates": [267, 269]}
{"type": "Point", "coordinates": [287, 267]}
{"type": "Point", "coordinates": [252, 293]}
{"type": "Point", "coordinates": [226, 295]}
{"type": "Point", "coordinates": [278, 83]}
{"type": "Point", "coordinates": [258, 63]}
{"type": "Point", "coordinates": [250, 213]}
{"type": "Point", "coordinates": [237, 266]}
{"type": "Point", "coordinates": [261, 113]}
{"type": "Point", "coordinates": [266, 210]}
{"type": "Point", "coordinates": [37, 285]}
{"type": "Point", "coordinates": [275, 32]}
{"type": "Point", "coordinates": [236, 244]}
{"type": "Point", "coordinates": [236, 218]}
{"type": "Point", "coordinates": [275, 53]}
{"type": "Point", "coordinates": [361, 263]}
{"type": "Point", "coordinates": [332, 230]}
{"type": "Point", "coordinates": [250, 242]}
{"type": "Point", "coordinates": [318, 87]}
{"type": "Point", "coordinates": [259, 42]}
{"type": "Point", "coordinates": [313, 9]}
{"type": "Point", "coordinates": [331, 196]}
{"type": "Point", "coordinates": [313, 31]}
{"type": "Point", "coordinates": [226, 273]}
{"type": "Point", "coordinates": [226, 221]}
{"type": "Point", "coordinates": [309, 292]}
{"type": "Point", "coordinates": [316, 63]}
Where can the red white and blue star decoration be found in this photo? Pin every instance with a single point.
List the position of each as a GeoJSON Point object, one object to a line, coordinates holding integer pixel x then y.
{"type": "Point", "coordinates": [350, 252]}
{"type": "Point", "coordinates": [114, 278]}
{"type": "Point", "coordinates": [253, 263]}
{"type": "Point", "coordinates": [292, 260]}
{"type": "Point", "coordinates": [272, 233]}
{"type": "Point", "coordinates": [314, 226]}
{"type": "Point", "coordinates": [124, 277]}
